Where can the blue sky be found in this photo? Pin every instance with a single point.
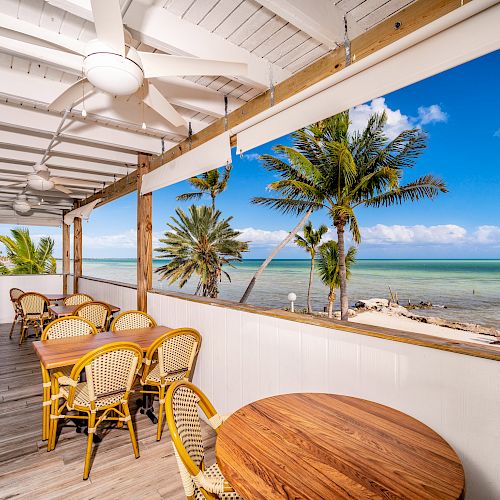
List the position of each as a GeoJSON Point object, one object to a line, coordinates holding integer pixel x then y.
{"type": "Point", "coordinates": [460, 111]}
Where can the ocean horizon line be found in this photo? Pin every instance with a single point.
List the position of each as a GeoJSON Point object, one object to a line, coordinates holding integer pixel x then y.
{"type": "Point", "coordinates": [308, 259]}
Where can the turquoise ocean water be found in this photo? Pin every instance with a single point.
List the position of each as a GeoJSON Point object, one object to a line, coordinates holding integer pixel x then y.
{"type": "Point", "coordinates": [470, 289]}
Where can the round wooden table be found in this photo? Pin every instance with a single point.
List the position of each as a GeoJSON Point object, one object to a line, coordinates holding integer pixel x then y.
{"type": "Point", "coordinates": [330, 446]}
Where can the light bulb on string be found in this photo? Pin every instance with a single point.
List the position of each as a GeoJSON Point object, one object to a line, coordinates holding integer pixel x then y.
{"type": "Point", "coordinates": [84, 112]}
{"type": "Point", "coordinates": [143, 125]}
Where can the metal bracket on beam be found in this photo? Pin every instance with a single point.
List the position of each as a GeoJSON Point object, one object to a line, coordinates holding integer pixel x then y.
{"type": "Point", "coordinates": [347, 44]}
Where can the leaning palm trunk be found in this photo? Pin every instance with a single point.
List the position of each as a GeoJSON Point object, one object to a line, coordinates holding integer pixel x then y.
{"type": "Point", "coordinates": [331, 300]}
{"type": "Point", "coordinates": [273, 254]}
{"type": "Point", "coordinates": [309, 288]}
{"type": "Point", "coordinates": [344, 302]}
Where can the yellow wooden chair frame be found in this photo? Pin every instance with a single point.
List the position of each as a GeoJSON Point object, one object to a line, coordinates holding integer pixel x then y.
{"type": "Point", "coordinates": [150, 362]}
{"type": "Point", "coordinates": [119, 409]}
{"type": "Point", "coordinates": [18, 312]}
{"type": "Point", "coordinates": [189, 471]}
{"type": "Point", "coordinates": [133, 311]}
{"type": "Point", "coordinates": [67, 300]}
{"type": "Point", "coordinates": [28, 319]}
{"type": "Point", "coordinates": [46, 384]}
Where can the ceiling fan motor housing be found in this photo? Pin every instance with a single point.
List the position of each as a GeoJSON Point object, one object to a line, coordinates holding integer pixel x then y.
{"type": "Point", "coordinates": [21, 204]}
{"type": "Point", "coordinates": [111, 72]}
{"type": "Point", "coordinates": [39, 182]}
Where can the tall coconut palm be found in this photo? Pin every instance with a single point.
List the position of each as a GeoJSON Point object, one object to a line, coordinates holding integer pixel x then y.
{"type": "Point", "coordinates": [328, 268]}
{"type": "Point", "coordinates": [199, 244]}
{"type": "Point", "coordinates": [26, 257]}
{"type": "Point", "coordinates": [334, 169]}
{"type": "Point", "coordinates": [212, 183]}
{"type": "Point", "coordinates": [309, 242]}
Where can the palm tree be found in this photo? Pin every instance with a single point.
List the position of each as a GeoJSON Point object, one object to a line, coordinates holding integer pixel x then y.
{"type": "Point", "coordinates": [200, 244]}
{"type": "Point", "coordinates": [212, 183]}
{"type": "Point", "coordinates": [328, 268]}
{"type": "Point", "coordinates": [310, 242]}
{"type": "Point", "coordinates": [25, 256]}
{"type": "Point", "coordinates": [337, 170]}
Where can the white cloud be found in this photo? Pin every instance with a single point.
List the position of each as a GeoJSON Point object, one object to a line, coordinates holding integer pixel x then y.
{"type": "Point", "coordinates": [262, 237]}
{"type": "Point", "coordinates": [396, 120]}
{"type": "Point", "coordinates": [127, 239]}
{"type": "Point", "coordinates": [251, 156]}
{"type": "Point", "coordinates": [431, 114]}
{"type": "Point", "coordinates": [381, 234]}
{"type": "Point", "coordinates": [487, 235]}
{"type": "Point", "coordinates": [496, 133]}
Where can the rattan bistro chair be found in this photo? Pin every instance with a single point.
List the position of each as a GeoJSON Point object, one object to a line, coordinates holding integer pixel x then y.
{"type": "Point", "coordinates": [96, 312]}
{"type": "Point", "coordinates": [77, 298]}
{"type": "Point", "coordinates": [34, 308]}
{"type": "Point", "coordinates": [70, 326]}
{"type": "Point", "coordinates": [15, 293]}
{"type": "Point", "coordinates": [130, 320]}
{"type": "Point", "coordinates": [110, 373]}
{"type": "Point", "coordinates": [199, 481]}
{"type": "Point", "coordinates": [169, 358]}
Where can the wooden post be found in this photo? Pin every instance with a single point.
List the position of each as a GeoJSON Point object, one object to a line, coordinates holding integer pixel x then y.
{"type": "Point", "coordinates": [144, 237]}
{"type": "Point", "coordinates": [77, 252]}
{"type": "Point", "coordinates": [65, 255]}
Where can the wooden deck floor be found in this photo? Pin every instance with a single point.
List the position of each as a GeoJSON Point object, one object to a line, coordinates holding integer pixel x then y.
{"type": "Point", "coordinates": [28, 470]}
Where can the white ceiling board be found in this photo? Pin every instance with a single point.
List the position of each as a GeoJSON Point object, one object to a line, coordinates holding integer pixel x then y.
{"type": "Point", "coordinates": [237, 18]}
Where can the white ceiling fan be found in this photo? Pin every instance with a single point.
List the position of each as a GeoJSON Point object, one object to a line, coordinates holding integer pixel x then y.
{"type": "Point", "coordinates": [110, 64]}
{"type": "Point", "coordinates": [22, 205]}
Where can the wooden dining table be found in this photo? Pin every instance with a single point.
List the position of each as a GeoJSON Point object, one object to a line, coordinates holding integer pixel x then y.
{"type": "Point", "coordinates": [62, 311]}
{"type": "Point", "coordinates": [56, 297]}
{"type": "Point", "coordinates": [330, 446]}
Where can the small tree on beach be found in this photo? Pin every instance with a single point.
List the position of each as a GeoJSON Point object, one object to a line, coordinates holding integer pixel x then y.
{"type": "Point", "coordinates": [24, 256]}
{"type": "Point", "coordinates": [338, 170]}
{"type": "Point", "coordinates": [309, 242]}
{"type": "Point", "coordinates": [328, 268]}
{"type": "Point", "coordinates": [212, 183]}
{"type": "Point", "coordinates": [199, 244]}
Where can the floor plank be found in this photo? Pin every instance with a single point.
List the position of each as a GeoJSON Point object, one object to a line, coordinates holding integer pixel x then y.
{"type": "Point", "coordinates": [28, 470]}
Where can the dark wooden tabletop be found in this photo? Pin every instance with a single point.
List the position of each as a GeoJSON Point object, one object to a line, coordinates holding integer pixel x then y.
{"type": "Point", "coordinates": [54, 297]}
{"type": "Point", "coordinates": [330, 446]}
{"type": "Point", "coordinates": [63, 352]}
{"type": "Point", "coordinates": [61, 311]}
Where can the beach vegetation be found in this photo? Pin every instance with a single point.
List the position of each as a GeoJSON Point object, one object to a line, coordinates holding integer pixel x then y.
{"type": "Point", "coordinates": [309, 241]}
{"type": "Point", "coordinates": [338, 170]}
{"type": "Point", "coordinates": [210, 183]}
{"type": "Point", "coordinates": [23, 256]}
{"type": "Point", "coordinates": [199, 244]}
{"type": "Point", "coordinates": [329, 268]}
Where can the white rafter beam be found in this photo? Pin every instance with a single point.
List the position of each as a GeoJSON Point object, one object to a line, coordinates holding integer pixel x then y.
{"type": "Point", "coordinates": [320, 19]}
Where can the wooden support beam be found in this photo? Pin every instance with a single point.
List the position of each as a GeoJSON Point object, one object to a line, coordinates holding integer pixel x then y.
{"type": "Point", "coordinates": [406, 21]}
{"type": "Point", "coordinates": [144, 237]}
{"type": "Point", "coordinates": [77, 252]}
{"type": "Point", "coordinates": [65, 255]}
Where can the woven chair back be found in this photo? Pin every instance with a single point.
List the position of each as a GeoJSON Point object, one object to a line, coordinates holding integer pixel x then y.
{"type": "Point", "coordinates": [187, 422]}
{"type": "Point", "coordinates": [130, 320]}
{"type": "Point", "coordinates": [70, 326]}
{"type": "Point", "coordinates": [77, 298]}
{"type": "Point", "coordinates": [15, 293]}
{"type": "Point", "coordinates": [96, 312]}
{"type": "Point", "coordinates": [33, 303]}
{"type": "Point", "coordinates": [177, 352]}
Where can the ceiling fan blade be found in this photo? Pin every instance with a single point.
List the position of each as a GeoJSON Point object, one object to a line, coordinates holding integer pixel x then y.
{"type": "Point", "coordinates": [66, 181]}
{"type": "Point", "coordinates": [53, 37]}
{"type": "Point", "coordinates": [15, 184]}
{"type": "Point", "coordinates": [63, 189]}
{"type": "Point", "coordinates": [155, 100]}
{"type": "Point", "coordinates": [58, 58]}
{"type": "Point", "coordinates": [72, 94]}
{"type": "Point", "coordinates": [157, 65]}
{"type": "Point", "coordinates": [109, 24]}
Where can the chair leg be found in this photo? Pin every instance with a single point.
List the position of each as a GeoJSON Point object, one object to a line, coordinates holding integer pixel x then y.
{"type": "Point", "coordinates": [46, 404]}
{"type": "Point", "coordinates": [12, 327]}
{"type": "Point", "coordinates": [90, 439]}
{"type": "Point", "coordinates": [23, 331]}
{"type": "Point", "coordinates": [160, 413]}
{"type": "Point", "coordinates": [130, 426]}
{"type": "Point", "coordinates": [119, 424]}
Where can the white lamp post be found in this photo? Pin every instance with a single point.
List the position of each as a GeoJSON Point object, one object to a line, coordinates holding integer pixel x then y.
{"type": "Point", "coordinates": [292, 298]}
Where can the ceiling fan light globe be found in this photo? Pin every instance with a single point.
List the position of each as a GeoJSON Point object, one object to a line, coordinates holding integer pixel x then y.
{"type": "Point", "coordinates": [39, 183]}
{"type": "Point", "coordinates": [21, 206]}
{"type": "Point", "coordinates": [113, 73]}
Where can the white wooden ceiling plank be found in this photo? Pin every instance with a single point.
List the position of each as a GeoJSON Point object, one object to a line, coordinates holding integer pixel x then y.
{"type": "Point", "coordinates": [198, 10]}
{"type": "Point", "coordinates": [307, 59]}
{"type": "Point", "coordinates": [10, 7]}
{"type": "Point", "coordinates": [257, 37]}
{"type": "Point", "coordinates": [287, 46]}
{"type": "Point", "coordinates": [275, 40]}
{"type": "Point", "coordinates": [255, 22]}
{"type": "Point", "coordinates": [30, 10]}
{"type": "Point", "coordinates": [365, 8]}
{"type": "Point", "coordinates": [298, 52]}
{"type": "Point", "coordinates": [178, 7]}
{"type": "Point", "coordinates": [51, 18]}
{"type": "Point", "coordinates": [72, 26]}
{"type": "Point", "coordinates": [218, 13]}
{"type": "Point", "coordinates": [237, 18]}
{"type": "Point", "coordinates": [385, 11]}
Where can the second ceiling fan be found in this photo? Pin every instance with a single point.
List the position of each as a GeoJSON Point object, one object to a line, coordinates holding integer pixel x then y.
{"type": "Point", "coordinates": [110, 64]}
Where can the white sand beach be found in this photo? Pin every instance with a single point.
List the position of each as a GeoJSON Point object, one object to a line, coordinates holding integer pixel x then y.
{"type": "Point", "coordinates": [397, 322]}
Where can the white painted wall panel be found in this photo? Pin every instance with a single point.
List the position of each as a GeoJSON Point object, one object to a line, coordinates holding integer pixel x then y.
{"type": "Point", "coordinates": [247, 356]}
{"type": "Point", "coordinates": [122, 296]}
{"type": "Point", "coordinates": [42, 283]}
